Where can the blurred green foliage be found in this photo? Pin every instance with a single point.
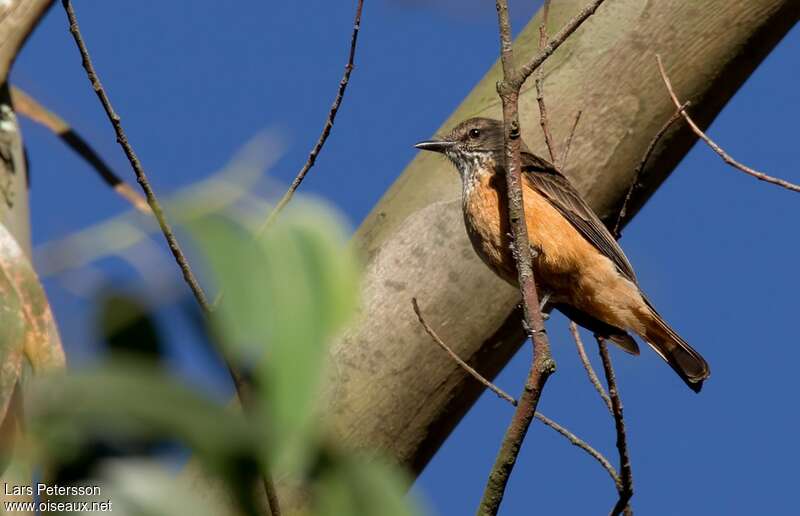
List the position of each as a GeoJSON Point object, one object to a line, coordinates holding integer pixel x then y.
{"type": "Point", "coordinates": [292, 287]}
{"type": "Point", "coordinates": [282, 295]}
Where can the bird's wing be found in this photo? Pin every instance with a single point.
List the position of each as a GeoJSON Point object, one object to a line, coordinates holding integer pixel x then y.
{"type": "Point", "coordinates": [557, 189]}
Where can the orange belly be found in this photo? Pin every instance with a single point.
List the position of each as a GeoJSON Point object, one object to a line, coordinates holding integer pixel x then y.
{"type": "Point", "coordinates": [567, 266]}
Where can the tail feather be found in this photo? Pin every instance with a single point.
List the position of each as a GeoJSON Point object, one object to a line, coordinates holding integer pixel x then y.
{"type": "Point", "coordinates": [687, 362]}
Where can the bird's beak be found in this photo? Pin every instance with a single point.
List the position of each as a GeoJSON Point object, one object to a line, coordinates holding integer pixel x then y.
{"type": "Point", "coordinates": [435, 145]}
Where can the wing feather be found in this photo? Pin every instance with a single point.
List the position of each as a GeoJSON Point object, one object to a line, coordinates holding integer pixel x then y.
{"type": "Point", "coordinates": [557, 189]}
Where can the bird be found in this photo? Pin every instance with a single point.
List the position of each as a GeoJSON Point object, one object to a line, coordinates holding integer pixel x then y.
{"type": "Point", "coordinates": [579, 267]}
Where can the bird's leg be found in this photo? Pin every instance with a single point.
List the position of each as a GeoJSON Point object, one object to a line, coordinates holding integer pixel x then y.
{"type": "Point", "coordinates": [542, 302]}
{"type": "Point", "coordinates": [536, 251]}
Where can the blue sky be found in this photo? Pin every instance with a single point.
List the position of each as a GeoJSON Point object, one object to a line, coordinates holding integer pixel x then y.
{"type": "Point", "coordinates": [717, 251]}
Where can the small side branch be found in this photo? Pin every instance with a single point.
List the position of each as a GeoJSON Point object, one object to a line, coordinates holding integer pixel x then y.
{"type": "Point", "coordinates": [326, 130]}
{"type": "Point", "coordinates": [576, 336]}
{"type": "Point", "coordinates": [141, 176]}
{"type": "Point", "coordinates": [571, 437]}
{"type": "Point", "coordinates": [625, 487]}
{"type": "Point", "coordinates": [543, 119]}
{"type": "Point", "coordinates": [29, 107]}
{"type": "Point", "coordinates": [637, 174]}
{"type": "Point", "coordinates": [561, 36]}
{"type": "Point", "coordinates": [475, 374]}
{"type": "Point", "coordinates": [544, 122]}
{"type": "Point", "coordinates": [580, 443]}
{"type": "Point", "coordinates": [716, 148]}
{"type": "Point", "coordinates": [568, 144]}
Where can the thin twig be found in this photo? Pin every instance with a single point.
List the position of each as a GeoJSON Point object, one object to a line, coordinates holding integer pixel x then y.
{"type": "Point", "coordinates": [272, 494]}
{"type": "Point", "coordinates": [568, 144]}
{"type": "Point", "coordinates": [576, 336]}
{"type": "Point", "coordinates": [31, 108]}
{"type": "Point", "coordinates": [571, 437]}
{"type": "Point", "coordinates": [543, 119]}
{"type": "Point", "coordinates": [526, 70]}
{"type": "Point", "coordinates": [637, 173]}
{"type": "Point", "coordinates": [141, 176]}
{"type": "Point", "coordinates": [583, 445]}
{"type": "Point", "coordinates": [326, 130]}
{"type": "Point", "coordinates": [475, 374]}
{"type": "Point", "coordinates": [158, 212]}
{"type": "Point", "coordinates": [716, 148]}
{"type": "Point", "coordinates": [542, 365]}
{"type": "Point", "coordinates": [625, 488]}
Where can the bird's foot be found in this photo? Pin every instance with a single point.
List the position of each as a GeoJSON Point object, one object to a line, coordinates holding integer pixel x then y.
{"type": "Point", "coordinates": [543, 303]}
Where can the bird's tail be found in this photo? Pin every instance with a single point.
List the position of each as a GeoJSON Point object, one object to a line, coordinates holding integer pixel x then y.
{"type": "Point", "coordinates": [687, 362]}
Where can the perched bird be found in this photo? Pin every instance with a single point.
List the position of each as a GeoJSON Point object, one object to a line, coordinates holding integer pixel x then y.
{"type": "Point", "coordinates": [578, 266]}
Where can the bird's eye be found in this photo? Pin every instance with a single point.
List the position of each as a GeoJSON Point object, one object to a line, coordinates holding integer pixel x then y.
{"type": "Point", "coordinates": [474, 133]}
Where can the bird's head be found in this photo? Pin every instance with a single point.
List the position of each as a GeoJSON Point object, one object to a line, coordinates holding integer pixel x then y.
{"type": "Point", "coordinates": [474, 145]}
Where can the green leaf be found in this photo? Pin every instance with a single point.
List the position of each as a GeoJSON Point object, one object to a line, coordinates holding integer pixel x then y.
{"type": "Point", "coordinates": [134, 401]}
{"type": "Point", "coordinates": [358, 486]}
{"type": "Point", "coordinates": [285, 293]}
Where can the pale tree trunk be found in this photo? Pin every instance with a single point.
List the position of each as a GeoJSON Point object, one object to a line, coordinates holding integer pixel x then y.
{"type": "Point", "coordinates": [391, 388]}
{"type": "Point", "coordinates": [17, 20]}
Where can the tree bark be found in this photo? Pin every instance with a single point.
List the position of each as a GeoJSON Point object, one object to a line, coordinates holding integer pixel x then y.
{"type": "Point", "coordinates": [17, 20]}
{"type": "Point", "coordinates": [391, 388]}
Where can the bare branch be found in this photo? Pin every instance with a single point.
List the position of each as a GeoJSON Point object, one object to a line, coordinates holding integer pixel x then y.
{"type": "Point", "coordinates": [568, 144]}
{"type": "Point", "coordinates": [141, 176]}
{"type": "Point", "coordinates": [29, 107]}
{"type": "Point", "coordinates": [158, 212]}
{"type": "Point", "coordinates": [580, 443]}
{"type": "Point", "coordinates": [716, 148]}
{"type": "Point", "coordinates": [475, 374]}
{"type": "Point", "coordinates": [625, 488]}
{"type": "Point", "coordinates": [571, 437]}
{"type": "Point", "coordinates": [272, 495]}
{"type": "Point", "coordinates": [640, 167]}
{"type": "Point", "coordinates": [509, 92]}
{"type": "Point", "coordinates": [542, 365]}
{"type": "Point", "coordinates": [576, 336]}
{"type": "Point", "coordinates": [526, 70]}
{"type": "Point", "coordinates": [326, 130]}
{"type": "Point", "coordinates": [543, 120]}
{"type": "Point", "coordinates": [512, 442]}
